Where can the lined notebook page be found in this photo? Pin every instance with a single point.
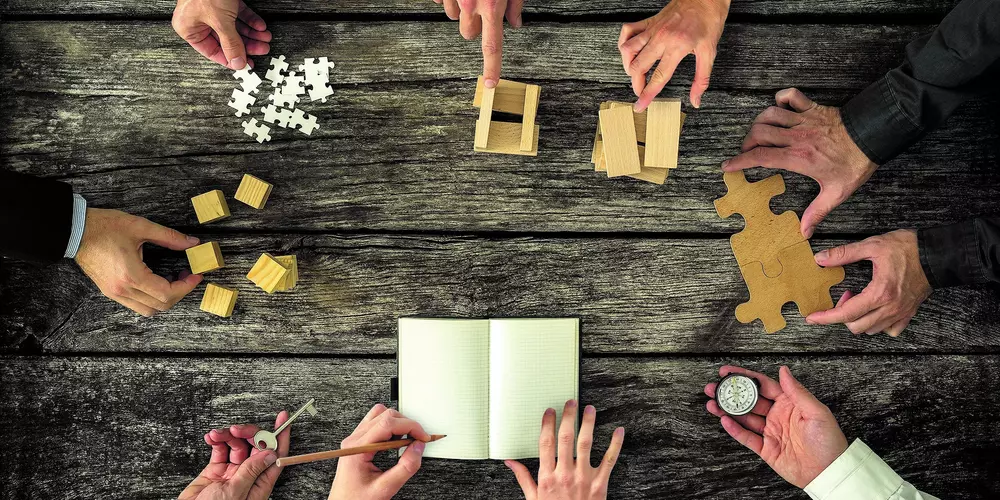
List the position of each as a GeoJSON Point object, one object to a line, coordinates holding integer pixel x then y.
{"type": "Point", "coordinates": [534, 365]}
{"type": "Point", "coordinates": [444, 383]}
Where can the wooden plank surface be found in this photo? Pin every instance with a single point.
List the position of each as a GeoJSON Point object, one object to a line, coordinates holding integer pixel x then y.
{"type": "Point", "coordinates": [558, 7]}
{"type": "Point", "coordinates": [653, 296]}
{"type": "Point", "coordinates": [78, 108]}
{"type": "Point", "coordinates": [132, 427]}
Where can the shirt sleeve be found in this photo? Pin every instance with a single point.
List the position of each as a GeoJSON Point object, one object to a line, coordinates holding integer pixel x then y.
{"type": "Point", "coordinates": [940, 71]}
{"type": "Point", "coordinates": [78, 225]}
{"type": "Point", "coordinates": [966, 253]}
{"type": "Point", "coordinates": [36, 217]}
{"type": "Point", "coordinates": [860, 473]}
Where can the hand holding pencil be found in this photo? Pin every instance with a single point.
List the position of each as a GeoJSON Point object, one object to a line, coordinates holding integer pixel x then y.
{"type": "Point", "coordinates": [358, 477]}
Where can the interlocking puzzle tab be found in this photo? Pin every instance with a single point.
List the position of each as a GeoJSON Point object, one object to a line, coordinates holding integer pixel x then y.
{"type": "Point", "coordinates": [776, 261]}
{"type": "Point", "coordinates": [205, 257]}
{"type": "Point", "coordinates": [219, 300]}
{"type": "Point", "coordinates": [268, 273]}
{"type": "Point", "coordinates": [651, 123]}
{"type": "Point", "coordinates": [505, 137]}
{"type": "Point", "coordinates": [210, 206]}
{"type": "Point", "coordinates": [253, 191]}
{"type": "Point", "coordinates": [257, 130]}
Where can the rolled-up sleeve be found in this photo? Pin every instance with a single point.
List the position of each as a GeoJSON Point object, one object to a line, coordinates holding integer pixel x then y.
{"type": "Point", "coordinates": [860, 473]}
{"type": "Point", "coordinates": [940, 71]}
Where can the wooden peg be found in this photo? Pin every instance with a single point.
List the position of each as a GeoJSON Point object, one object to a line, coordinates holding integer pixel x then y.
{"type": "Point", "coordinates": [485, 115]}
{"type": "Point", "coordinates": [528, 136]}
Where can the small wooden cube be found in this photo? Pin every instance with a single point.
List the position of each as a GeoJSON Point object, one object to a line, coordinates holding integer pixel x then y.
{"type": "Point", "coordinates": [268, 273]}
{"type": "Point", "coordinates": [205, 257]}
{"type": "Point", "coordinates": [292, 278]}
{"type": "Point", "coordinates": [219, 300]}
{"type": "Point", "coordinates": [210, 206]}
{"type": "Point", "coordinates": [253, 191]}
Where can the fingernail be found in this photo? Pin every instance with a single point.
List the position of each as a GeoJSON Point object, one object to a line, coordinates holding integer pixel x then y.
{"type": "Point", "coordinates": [808, 233]}
{"type": "Point", "coordinates": [549, 412]}
{"type": "Point", "coordinates": [822, 255]}
{"type": "Point", "coordinates": [238, 63]}
{"type": "Point", "coordinates": [507, 463]}
{"type": "Point", "coordinates": [192, 240]}
{"type": "Point", "coordinates": [270, 459]}
{"type": "Point", "coordinates": [724, 164]}
{"type": "Point", "coordinates": [571, 403]}
{"type": "Point", "coordinates": [620, 432]}
{"type": "Point", "coordinates": [809, 322]}
{"type": "Point", "coordinates": [635, 108]}
{"type": "Point", "coordinates": [696, 102]}
{"type": "Point", "coordinates": [517, 22]}
{"type": "Point", "coordinates": [491, 83]}
{"type": "Point", "coordinates": [419, 447]}
{"type": "Point", "coordinates": [590, 410]}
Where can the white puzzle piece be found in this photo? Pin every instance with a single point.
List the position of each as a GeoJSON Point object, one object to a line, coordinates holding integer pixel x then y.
{"type": "Point", "coordinates": [278, 70]}
{"type": "Point", "coordinates": [248, 79]}
{"type": "Point", "coordinates": [319, 92]}
{"type": "Point", "coordinates": [242, 101]}
{"type": "Point", "coordinates": [294, 84]}
{"type": "Point", "coordinates": [277, 116]}
{"type": "Point", "coordinates": [258, 131]}
{"type": "Point", "coordinates": [283, 100]}
{"type": "Point", "coordinates": [316, 66]}
{"type": "Point", "coordinates": [306, 123]}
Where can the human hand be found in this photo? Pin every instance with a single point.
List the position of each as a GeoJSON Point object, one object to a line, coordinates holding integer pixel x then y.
{"type": "Point", "coordinates": [801, 136]}
{"type": "Point", "coordinates": [683, 27]}
{"type": "Point", "coordinates": [237, 470]}
{"type": "Point", "coordinates": [111, 255]}
{"type": "Point", "coordinates": [897, 289]}
{"type": "Point", "coordinates": [485, 16]}
{"type": "Point", "coordinates": [224, 31]}
{"type": "Point", "coordinates": [358, 477]}
{"type": "Point", "coordinates": [568, 479]}
{"type": "Point", "coordinates": [789, 428]}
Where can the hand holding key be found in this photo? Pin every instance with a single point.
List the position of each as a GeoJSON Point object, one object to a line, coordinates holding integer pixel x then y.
{"type": "Point", "coordinates": [267, 440]}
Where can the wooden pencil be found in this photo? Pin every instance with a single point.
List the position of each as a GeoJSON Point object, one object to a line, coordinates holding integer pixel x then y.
{"type": "Point", "coordinates": [343, 452]}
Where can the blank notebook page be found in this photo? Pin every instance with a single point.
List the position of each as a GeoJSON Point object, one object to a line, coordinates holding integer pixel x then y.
{"type": "Point", "coordinates": [534, 365]}
{"type": "Point", "coordinates": [444, 383]}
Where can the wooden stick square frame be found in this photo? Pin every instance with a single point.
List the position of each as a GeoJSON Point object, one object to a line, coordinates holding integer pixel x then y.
{"type": "Point", "coordinates": [504, 137]}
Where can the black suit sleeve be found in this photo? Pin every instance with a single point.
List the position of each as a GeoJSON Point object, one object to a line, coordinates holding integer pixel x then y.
{"type": "Point", "coordinates": [36, 217]}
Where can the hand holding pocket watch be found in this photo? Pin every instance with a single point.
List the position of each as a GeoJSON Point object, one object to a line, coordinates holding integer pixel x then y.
{"type": "Point", "coordinates": [782, 422]}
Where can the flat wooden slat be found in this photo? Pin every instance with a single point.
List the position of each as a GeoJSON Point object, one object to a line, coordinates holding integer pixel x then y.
{"type": "Point", "coordinates": [129, 428]}
{"type": "Point", "coordinates": [563, 7]}
{"type": "Point", "coordinates": [633, 295]}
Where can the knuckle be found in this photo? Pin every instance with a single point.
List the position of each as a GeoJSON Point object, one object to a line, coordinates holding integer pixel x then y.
{"type": "Point", "coordinates": [490, 47]}
{"type": "Point", "coordinates": [586, 443]}
{"type": "Point", "coordinates": [467, 4]}
{"type": "Point", "coordinates": [566, 480]}
{"type": "Point", "coordinates": [566, 440]}
{"type": "Point", "coordinates": [546, 441]}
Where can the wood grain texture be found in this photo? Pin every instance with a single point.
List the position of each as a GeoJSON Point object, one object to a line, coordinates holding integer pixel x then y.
{"type": "Point", "coordinates": [641, 8]}
{"type": "Point", "coordinates": [656, 295]}
{"type": "Point", "coordinates": [132, 428]}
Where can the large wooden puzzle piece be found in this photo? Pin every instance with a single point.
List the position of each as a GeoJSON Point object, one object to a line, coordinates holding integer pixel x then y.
{"type": "Point", "coordinates": [801, 281]}
{"type": "Point", "coordinates": [765, 234]}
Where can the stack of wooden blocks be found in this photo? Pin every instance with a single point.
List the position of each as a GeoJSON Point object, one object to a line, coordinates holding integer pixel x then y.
{"type": "Point", "coordinates": [270, 273]}
{"type": "Point", "coordinates": [507, 137]}
{"type": "Point", "coordinates": [639, 145]}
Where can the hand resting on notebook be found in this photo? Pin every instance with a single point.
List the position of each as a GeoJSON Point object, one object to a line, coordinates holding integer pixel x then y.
{"type": "Point", "coordinates": [357, 477]}
{"type": "Point", "coordinates": [560, 476]}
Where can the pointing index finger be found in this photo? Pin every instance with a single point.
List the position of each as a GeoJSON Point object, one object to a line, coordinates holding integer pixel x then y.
{"type": "Point", "coordinates": [492, 48]}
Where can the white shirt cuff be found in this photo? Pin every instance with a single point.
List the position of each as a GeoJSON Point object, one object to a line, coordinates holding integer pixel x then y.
{"type": "Point", "coordinates": [857, 473]}
{"type": "Point", "coordinates": [79, 222]}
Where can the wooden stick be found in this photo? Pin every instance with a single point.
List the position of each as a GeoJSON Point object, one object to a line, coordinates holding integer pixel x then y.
{"type": "Point", "coordinates": [368, 448]}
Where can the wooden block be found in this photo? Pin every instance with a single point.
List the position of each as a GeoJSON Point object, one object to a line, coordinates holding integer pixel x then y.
{"type": "Point", "coordinates": [639, 119]}
{"type": "Point", "coordinates": [620, 145]}
{"type": "Point", "coordinates": [210, 206]}
{"type": "Point", "coordinates": [598, 143]}
{"type": "Point", "coordinates": [505, 138]}
{"type": "Point", "coordinates": [648, 174]}
{"type": "Point", "coordinates": [528, 136]}
{"type": "Point", "coordinates": [205, 257]}
{"type": "Point", "coordinates": [485, 116]}
{"type": "Point", "coordinates": [292, 278]}
{"type": "Point", "coordinates": [267, 273]}
{"type": "Point", "coordinates": [663, 133]}
{"type": "Point", "coordinates": [509, 96]}
{"type": "Point", "coordinates": [219, 300]}
{"type": "Point", "coordinates": [253, 191]}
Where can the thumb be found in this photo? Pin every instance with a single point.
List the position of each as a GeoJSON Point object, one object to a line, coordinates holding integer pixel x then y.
{"type": "Point", "coordinates": [394, 479]}
{"type": "Point", "coordinates": [232, 44]}
{"type": "Point", "coordinates": [166, 237]}
{"type": "Point", "coordinates": [248, 472]}
{"type": "Point", "coordinates": [824, 203]}
{"type": "Point", "coordinates": [796, 391]}
{"type": "Point", "coordinates": [524, 479]}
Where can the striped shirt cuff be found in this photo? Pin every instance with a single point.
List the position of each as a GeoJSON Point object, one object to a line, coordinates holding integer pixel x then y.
{"type": "Point", "coordinates": [79, 221]}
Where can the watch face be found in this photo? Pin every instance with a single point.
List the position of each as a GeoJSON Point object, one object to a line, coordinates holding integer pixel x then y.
{"type": "Point", "coordinates": [736, 394]}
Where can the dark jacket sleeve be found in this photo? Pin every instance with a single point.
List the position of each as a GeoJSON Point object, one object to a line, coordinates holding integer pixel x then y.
{"type": "Point", "coordinates": [967, 253]}
{"type": "Point", "coordinates": [36, 216]}
{"type": "Point", "coordinates": [957, 61]}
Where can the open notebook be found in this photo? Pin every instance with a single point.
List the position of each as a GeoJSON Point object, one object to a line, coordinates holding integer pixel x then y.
{"type": "Point", "coordinates": [486, 383]}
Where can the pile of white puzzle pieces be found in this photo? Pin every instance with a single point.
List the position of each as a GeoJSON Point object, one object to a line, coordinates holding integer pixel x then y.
{"type": "Point", "coordinates": [313, 78]}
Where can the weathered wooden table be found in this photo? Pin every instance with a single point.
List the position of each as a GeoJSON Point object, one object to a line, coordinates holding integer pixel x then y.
{"type": "Point", "coordinates": [392, 214]}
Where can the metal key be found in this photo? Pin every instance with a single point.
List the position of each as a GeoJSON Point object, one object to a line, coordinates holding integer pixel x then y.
{"type": "Point", "coordinates": [267, 440]}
